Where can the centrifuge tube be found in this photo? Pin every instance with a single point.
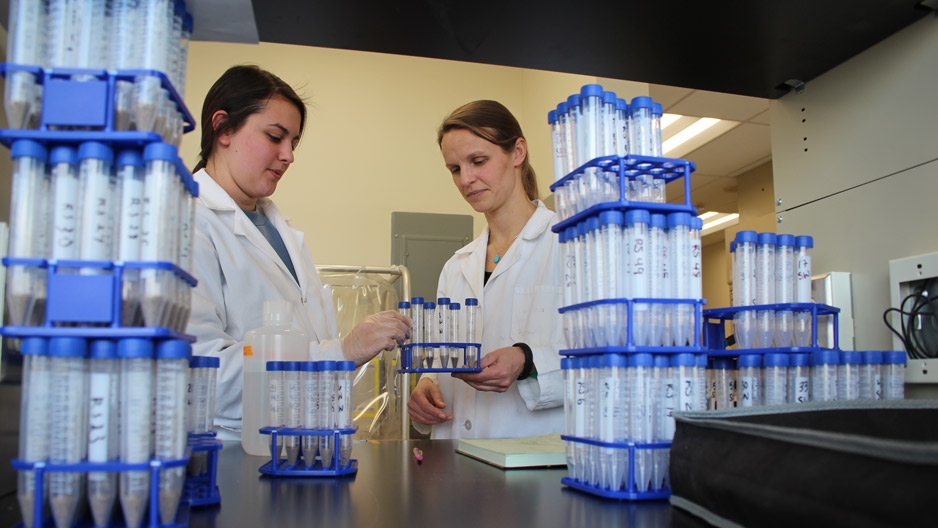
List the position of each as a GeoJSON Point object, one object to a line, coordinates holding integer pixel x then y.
{"type": "Point", "coordinates": [581, 382]}
{"type": "Point", "coordinates": [130, 181]}
{"type": "Point", "coordinates": [429, 332]}
{"type": "Point", "coordinates": [557, 146]}
{"type": "Point", "coordinates": [276, 405]}
{"type": "Point", "coordinates": [157, 21]}
{"type": "Point", "coordinates": [344, 408]}
{"type": "Point", "coordinates": [568, 137]}
{"type": "Point", "coordinates": [613, 420]}
{"type": "Point", "coordinates": [749, 380]}
{"type": "Point", "coordinates": [159, 223]}
{"type": "Point", "coordinates": [569, 412]}
{"type": "Point", "coordinates": [871, 375]}
{"type": "Point", "coordinates": [723, 371]}
{"type": "Point", "coordinates": [609, 251]}
{"type": "Point", "coordinates": [172, 360]}
{"type": "Point", "coordinates": [799, 378]}
{"type": "Point", "coordinates": [641, 418]}
{"type": "Point", "coordinates": [684, 372]}
{"type": "Point", "coordinates": [824, 375]}
{"type": "Point", "coordinates": [660, 284]}
{"type": "Point", "coordinates": [784, 292]}
{"type": "Point", "coordinates": [639, 253]}
{"type": "Point", "coordinates": [327, 397]}
{"type": "Point", "coordinates": [26, 25]}
{"type": "Point", "coordinates": [473, 334]}
{"type": "Point", "coordinates": [802, 289]}
{"type": "Point", "coordinates": [291, 408]}
{"type": "Point", "coordinates": [453, 335]}
{"type": "Point", "coordinates": [682, 315]}
{"type": "Point", "coordinates": [136, 355]}
{"type": "Point", "coordinates": [103, 427]}
{"type": "Point", "coordinates": [765, 289]}
{"type": "Point", "coordinates": [442, 329]}
{"type": "Point", "coordinates": [309, 379]}
{"type": "Point", "coordinates": [97, 187]}
{"type": "Point", "coordinates": [609, 126]}
{"type": "Point", "coordinates": [594, 412]}
{"type": "Point", "coordinates": [894, 365]}
{"type": "Point", "coordinates": [623, 141]}
{"type": "Point", "coordinates": [35, 422]}
{"type": "Point", "coordinates": [26, 285]}
{"type": "Point", "coordinates": [417, 316]}
{"type": "Point", "coordinates": [775, 379]}
{"type": "Point", "coordinates": [641, 131]}
{"type": "Point", "coordinates": [665, 404]}
{"type": "Point", "coordinates": [744, 283]}
{"type": "Point", "coordinates": [848, 375]}
{"type": "Point", "coordinates": [68, 430]}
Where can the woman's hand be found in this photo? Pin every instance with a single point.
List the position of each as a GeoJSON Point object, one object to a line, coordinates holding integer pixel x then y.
{"type": "Point", "coordinates": [381, 331]}
{"type": "Point", "coordinates": [426, 404]}
{"type": "Point", "coordinates": [500, 368]}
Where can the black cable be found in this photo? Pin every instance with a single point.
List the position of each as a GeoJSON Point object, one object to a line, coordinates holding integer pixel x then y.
{"type": "Point", "coordinates": [910, 339]}
{"type": "Point", "coordinates": [918, 310]}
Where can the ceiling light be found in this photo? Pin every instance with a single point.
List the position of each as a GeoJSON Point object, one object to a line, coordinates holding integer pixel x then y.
{"type": "Point", "coordinates": [719, 222]}
{"type": "Point", "coordinates": [668, 120]}
{"type": "Point", "coordinates": [696, 128]}
{"type": "Point", "coordinates": [708, 214]}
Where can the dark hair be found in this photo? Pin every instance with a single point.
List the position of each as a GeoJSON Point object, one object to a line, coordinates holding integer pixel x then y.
{"type": "Point", "coordinates": [491, 121]}
{"type": "Point", "coordinates": [241, 92]}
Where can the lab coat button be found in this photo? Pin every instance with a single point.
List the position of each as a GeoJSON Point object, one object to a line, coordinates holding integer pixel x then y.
{"type": "Point", "coordinates": [467, 425]}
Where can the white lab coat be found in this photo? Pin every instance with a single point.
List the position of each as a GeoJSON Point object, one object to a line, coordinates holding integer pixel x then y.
{"type": "Point", "coordinates": [519, 303]}
{"type": "Point", "coordinates": [238, 270]}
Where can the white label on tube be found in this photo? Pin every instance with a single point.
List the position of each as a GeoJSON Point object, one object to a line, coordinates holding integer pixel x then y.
{"type": "Point", "coordinates": [98, 414]}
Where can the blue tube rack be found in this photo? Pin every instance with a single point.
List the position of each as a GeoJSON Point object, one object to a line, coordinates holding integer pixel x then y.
{"type": "Point", "coordinates": [407, 357]}
{"type": "Point", "coordinates": [92, 299]}
{"type": "Point", "coordinates": [627, 168]}
{"type": "Point", "coordinates": [202, 489]}
{"type": "Point", "coordinates": [630, 492]}
{"type": "Point", "coordinates": [151, 518]}
{"type": "Point", "coordinates": [96, 111]}
{"type": "Point", "coordinates": [281, 467]}
{"type": "Point", "coordinates": [715, 328]}
{"type": "Point", "coordinates": [696, 347]}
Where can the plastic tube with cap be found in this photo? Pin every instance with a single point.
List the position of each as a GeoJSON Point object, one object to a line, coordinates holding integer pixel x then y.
{"type": "Point", "coordinates": [802, 289]}
{"type": "Point", "coordinates": [172, 361]}
{"type": "Point", "coordinates": [35, 422]}
{"type": "Point", "coordinates": [29, 227]}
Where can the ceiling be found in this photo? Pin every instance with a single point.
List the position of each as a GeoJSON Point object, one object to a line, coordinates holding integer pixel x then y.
{"type": "Point", "coordinates": [708, 59]}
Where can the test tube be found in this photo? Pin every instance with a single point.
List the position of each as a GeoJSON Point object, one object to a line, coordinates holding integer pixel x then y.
{"type": "Point", "coordinates": [894, 364]}
{"type": "Point", "coordinates": [824, 375]}
{"type": "Point", "coordinates": [765, 289]}
{"type": "Point", "coordinates": [557, 146]}
{"type": "Point", "coordinates": [639, 273]}
{"type": "Point", "coordinates": [613, 420]}
{"type": "Point", "coordinates": [775, 377]}
{"type": "Point", "coordinates": [291, 408]}
{"type": "Point", "coordinates": [136, 357]}
{"type": "Point", "coordinates": [684, 371]}
{"type": "Point", "coordinates": [723, 372]}
{"type": "Point", "coordinates": [569, 137]}
{"type": "Point", "coordinates": [429, 332]}
{"type": "Point", "coordinates": [103, 432]}
{"type": "Point", "coordinates": [344, 408]}
{"type": "Point", "coordinates": [665, 403]}
{"type": "Point", "coordinates": [802, 289]}
{"type": "Point", "coordinates": [641, 418]}
{"type": "Point", "coordinates": [568, 272]}
{"type": "Point", "coordinates": [611, 240]}
{"type": "Point", "coordinates": [157, 23]}
{"type": "Point", "coordinates": [656, 112]}
{"type": "Point", "coordinates": [569, 412]}
{"type": "Point", "coordinates": [744, 284]}
{"type": "Point", "coordinates": [172, 360]}
{"type": "Point", "coordinates": [871, 375]}
{"type": "Point", "coordinates": [403, 308]}
{"type": "Point", "coordinates": [453, 336]}
{"type": "Point", "coordinates": [276, 407]}
{"type": "Point", "coordinates": [69, 430]}
{"type": "Point", "coordinates": [472, 331]}
{"type": "Point", "coordinates": [576, 135]}
{"type": "Point", "coordinates": [97, 186]}
{"type": "Point", "coordinates": [609, 125]}
{"type": "Point", "coordinates": [848, 375]}
{"type": "Point", "coordinates": [659, 288]}
{"type": "Point", "coordinates": [309, 387]}
{"type": "Point", "coordinates": [696, 274]}
{"type": "Point", "coordinates": [66, 208]}
{"type": "Point", "coordinates": [799, 378]}
{"type": "Point", "coordinates": [703, 389]}
{"type": "Point", "coordinates": [584, 280]}
{"type": "Point", "coordinates": [784, 294]}
{"type": "Point", "coordinates": [26, 24]}
{"type": "Point", "coordinates": [35, 423]}
{"type": "Point", "coordinates": [442, 329]}
{"type": "Point", "coordinates": [158, 228]}
{"type": "Point", "coordinates": [749, 378]}
{"type": "Point", "coordinates": [416, 314]}
{"type": "Point", "coordinates": [29, 227]}
{"type": "Point", "coordinates": [582, 388]}
{"type": "Point", "coordinates": [327, 393]}
{"type": "Point", "coordinates": [623, 147]}
{"type": "Point", "coordinates": [589, 128]}
{"type": "Point", "coordinates": [126, 16]}
{"type": "Point", "coordinates": [196, 404]}
{"type": "Point", "coordinates": [594, 365]}
{"type": "Point", "coordinates": [641, 133]}
{"type": "Point", "coordinates": [682, 315]}
{"type": "Point", "coordinates": [130, 175]}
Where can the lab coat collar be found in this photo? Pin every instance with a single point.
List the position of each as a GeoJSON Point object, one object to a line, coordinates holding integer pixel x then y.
{"type": "Point", "coordinates": [473, 268]}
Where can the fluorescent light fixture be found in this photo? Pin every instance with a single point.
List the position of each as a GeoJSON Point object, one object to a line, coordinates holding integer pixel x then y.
{"type": "Point", "coordinates": [695, 129]}
{"type": "Point", "coordinates": [708, 214]}
{"type": "Point", "coordinates": [669, 119]}
{"type": "Point", "coordinates": [718, 222]}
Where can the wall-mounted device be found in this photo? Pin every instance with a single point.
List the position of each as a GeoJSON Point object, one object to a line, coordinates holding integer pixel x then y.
{"type": "Point", "coordinates": [913, 286]}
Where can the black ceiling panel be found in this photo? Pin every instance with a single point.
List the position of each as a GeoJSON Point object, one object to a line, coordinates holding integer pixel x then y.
{"type": "Point", "coordinates": [744, 47]}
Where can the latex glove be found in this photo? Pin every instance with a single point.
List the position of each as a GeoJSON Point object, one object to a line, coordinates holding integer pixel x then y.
{"type": "Point", "coordinates": [500, 368]}
{"type": "Point", "coordinates": [381, 331]}
{"type": "Point", "coordinates": [426, 404]}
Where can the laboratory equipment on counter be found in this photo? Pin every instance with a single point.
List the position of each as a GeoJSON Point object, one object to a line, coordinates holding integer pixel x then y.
{"type": "Point", "coordinates": [871, 375]}
{"type": "Point", "coordinates": [429, 332]}
{"type": "Point", "coordinates": [472, 331]}
{"type": "Point", "coordinates": [567, 367]}
{"type": "Point", "coordinates": [172, 361]}
{"type": "Point", "coordinates": [344, 408]}
{"type": "Point", "coordinates": [309, 374]}
{"type": "Point", "coordinates": [291, 408]}
{"type": "Point", "coordinates": [642, 133]}
{"type": "Point", "coordinates": [684, 372]}
{"type": "Point", "coordinates": [609, 125]}
{"type": "Point", "coordinates": [327, 419]}
{"type": "Point", "coordinates": [69, 427]}
{"type": "Point", "coordinates": [682, 315]}
{"type": "Point", "coordinates": [158, 232]}
{"type": "Point", "coordinates": [749, 380]}
{"type": "Point", "coordinates": [130, 180]}
{"type": "Point", "coordinates": [802, 289]}
{"type": "Point", "coordinates": [765, 289]}
{"type": "Point", "coordinates": [136, 357]}
{"type": "Point", "coordinates": [442, 329]}
{"type": "Point", "coordinates": [417, 317]}
{"type": "Point", "coordinates": [641, 417]}
{"type": "Point", "coordinates": [277, 340]}
{"type": "Point", "coordinates": [723, 373]}
{"type": "Point", "coordinates": [610, 251]}
{"type": "Point", "coordinates": [453, 335]}
{"type": "Point", "coordinates": [103, 426]}
{"type": "Point", "coordinates": [848, 375]}
{"type": "Point", "coordinates": [557, 145]}
{"type": "Point", "coordinates": [97, 187]}
{"type": "Point", "coordinates": [799, 378]}
{"type": "Point", "coordinates": [744, 282]}
{"type": "Point", "coordinates": [894, 365]}
{"type": "Point", "coordinates": [639, 272]}
{"type": "Point", "coordinates": [276, 396]}
{"type": "Point", "coordinates": [200, 409]}
{"type": "Point", "coordinates": [29, 232]}
{"type": "Point", "coordinates": [775, 379]}
{"type": "Point", "coordinates": [659, 283]}
{"type": "Point", "coordinates": [824, 375]}
{"type": "Point", "coordinates": [35, 422]}
{"type": "Point", "coordinates": [148, 94]}
{"type": "Point", "coordinates": [665, 403]}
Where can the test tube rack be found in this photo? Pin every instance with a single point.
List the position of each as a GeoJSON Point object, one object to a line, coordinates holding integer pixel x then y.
{"type": "Point", "coordinates": [630, 492]}
{"type": "Point", "coordinates": [715, 328]}
{"type": "Point", "coordinates": [281, 467]}
{"type": "Point", "coordinates": [201, 486]}
{"type": "Point", "coordinates": [408, 360]}
{"type": "Point", "coordinates": [40, 469]}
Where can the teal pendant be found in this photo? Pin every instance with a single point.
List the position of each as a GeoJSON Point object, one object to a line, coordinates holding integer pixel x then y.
{"type": "Point", "coordinates": [496, 259]}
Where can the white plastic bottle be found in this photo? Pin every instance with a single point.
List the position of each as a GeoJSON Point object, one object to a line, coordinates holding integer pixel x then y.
{"type": "Point", "coordinates": [277, 340]}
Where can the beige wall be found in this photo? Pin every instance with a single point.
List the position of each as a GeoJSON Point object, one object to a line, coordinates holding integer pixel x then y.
{"type": "Point", "coordinates": [370, 141]}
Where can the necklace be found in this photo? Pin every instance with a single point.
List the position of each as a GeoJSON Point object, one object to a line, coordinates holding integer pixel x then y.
{"type": "Point", "coordinates": [498, 252]}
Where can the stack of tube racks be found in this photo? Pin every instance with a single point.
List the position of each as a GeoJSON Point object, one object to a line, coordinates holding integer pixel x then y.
{"type": "Point", "coordinates": [643, 457]}
{"type": "Point", "coordinates": [715, 328]}
{"type": "Point", "coordinates": [468, 352]}
{"type": "Point", "coordinates": [88, 299]}
{"type": "Point", "coordinates": [332, 466]}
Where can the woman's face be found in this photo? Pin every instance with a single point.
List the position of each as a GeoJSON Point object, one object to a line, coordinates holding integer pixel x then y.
{"type": "Point", "coordinates": [261, 151]}
{"type": "Point", "coordinates": [485, 175]}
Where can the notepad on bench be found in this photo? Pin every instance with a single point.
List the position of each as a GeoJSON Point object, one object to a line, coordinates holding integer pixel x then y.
{"type": "Point", "coordinates": [508, 453]}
